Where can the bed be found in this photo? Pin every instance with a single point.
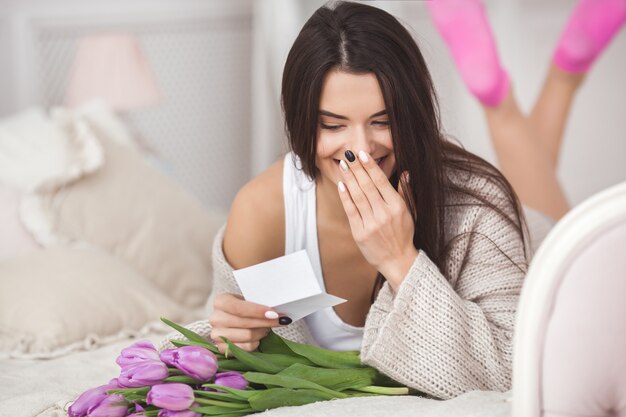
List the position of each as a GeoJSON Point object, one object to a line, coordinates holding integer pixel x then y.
{"type": "Point", "coordinates": [99, 244]}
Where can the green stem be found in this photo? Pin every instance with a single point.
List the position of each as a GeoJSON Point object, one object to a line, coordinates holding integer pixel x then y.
{"type": "Point", "coordinates": [184, 379]}
{"type": "Point", "coordinates": [138, 391]}
{"type": "Point", "coordinates": [220, 403]}
{"type": "Point", "coordinates": [175, 372]}
{"type": "Point", "coordinates": [384, 390]}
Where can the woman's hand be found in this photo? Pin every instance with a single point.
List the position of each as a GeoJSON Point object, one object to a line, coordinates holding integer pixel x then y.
{"type": "Point", "coordinates": [380, 221]}
{"type": "Point", "coordinates": [242, 322]}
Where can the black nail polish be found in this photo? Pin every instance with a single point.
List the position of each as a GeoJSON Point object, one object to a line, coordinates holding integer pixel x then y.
{"type": "Point", "coordinates": [284, 320]}
{"type": "Point", "coordinates": [350, 156]}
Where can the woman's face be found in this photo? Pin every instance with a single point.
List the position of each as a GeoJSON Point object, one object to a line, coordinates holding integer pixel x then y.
{"type": "Point", "coordinates": [352, 116]}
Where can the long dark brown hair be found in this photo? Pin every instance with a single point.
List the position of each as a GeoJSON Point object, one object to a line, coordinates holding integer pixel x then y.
{"type": "Point", "coordinates": [359, 39]}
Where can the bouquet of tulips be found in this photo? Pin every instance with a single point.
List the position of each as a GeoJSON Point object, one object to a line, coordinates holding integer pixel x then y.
{"type": "Point", "coordinates": [195, 379]}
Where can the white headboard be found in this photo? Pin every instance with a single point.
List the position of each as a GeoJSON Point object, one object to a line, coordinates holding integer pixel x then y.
{"type": "Point", "coordinates": [200, 52]}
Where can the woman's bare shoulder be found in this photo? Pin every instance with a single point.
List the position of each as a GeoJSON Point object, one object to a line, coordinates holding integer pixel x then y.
{"type": "Point", "coordinates": [255, 231]}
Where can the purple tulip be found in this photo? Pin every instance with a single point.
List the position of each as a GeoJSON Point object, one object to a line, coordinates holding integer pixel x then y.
{"type": "Point", "coordinates": [96, 402]}
{"type": "Point", "coordinates": [174, 397]}
{"type": "Point", "coordinates": [138, 352]}
{"type": "Point", "coordinates": [143, 374]}
{"type": "Point", "coordinates": [195, 361]}
{"type": "Point", "coordinates": [184, 413]}
{"type": "Point", "coordinates": [231, 379]}
{"type": "Point", "coordinates": [109, 407]}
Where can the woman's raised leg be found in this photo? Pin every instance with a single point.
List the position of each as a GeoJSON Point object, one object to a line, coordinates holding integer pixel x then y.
{"type": "Point", "coordinates": [590, 28]}
{"type": "Point", "coordinates": [464, 26]}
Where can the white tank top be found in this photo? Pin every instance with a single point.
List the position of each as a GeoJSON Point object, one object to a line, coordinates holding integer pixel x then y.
{"type": "Point", "coordinates": [325, 325]}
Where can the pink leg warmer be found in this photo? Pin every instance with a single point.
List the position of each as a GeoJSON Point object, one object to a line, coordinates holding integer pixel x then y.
{"type": "Point", "coordinates": [590, 28]}
{"type": "Point", "coordinates": [465, 29]}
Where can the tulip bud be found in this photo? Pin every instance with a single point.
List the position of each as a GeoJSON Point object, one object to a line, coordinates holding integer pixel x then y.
{"type": "Point", "coordinates": [96, 400]}
{"type": "Point", "coordinates": [195, 361]}
{"type": "Point", "coordinates": [143, 374]}
{"type": "Point", "coordinates": [231, 379]}
{"type": "Point", "coordinates": [109, 407]}
{"type": "Point", "coordinates": [137, 352]}
{"type": "Point", "coordinates": [174, 397]}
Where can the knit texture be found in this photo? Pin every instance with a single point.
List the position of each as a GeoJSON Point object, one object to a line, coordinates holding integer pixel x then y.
{"type": "Point", "coordinates": [447, 332]}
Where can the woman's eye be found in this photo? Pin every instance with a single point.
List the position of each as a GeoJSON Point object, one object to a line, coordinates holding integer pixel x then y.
{"type": "Point", "coordinates": [381, 123]}
{"type": "Point", "coordinates": [334, 127]}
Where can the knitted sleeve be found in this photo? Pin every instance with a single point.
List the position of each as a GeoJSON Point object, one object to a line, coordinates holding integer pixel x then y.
{"type": "Point", "coordinates": [448, 335]}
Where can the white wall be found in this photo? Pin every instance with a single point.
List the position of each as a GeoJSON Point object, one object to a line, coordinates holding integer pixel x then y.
{"type": "Point", "coordinates": [594, 151]}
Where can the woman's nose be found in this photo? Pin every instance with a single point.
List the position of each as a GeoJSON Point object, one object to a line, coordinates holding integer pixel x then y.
{"type": "Point", "coordinates": [361, 141]}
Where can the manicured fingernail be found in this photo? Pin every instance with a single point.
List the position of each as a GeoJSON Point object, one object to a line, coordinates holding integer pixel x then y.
{"type": "Point", "coordinates": [350, 156]}
{"type": "Point", "coordinates": [363, 157]}
{"type": "Point", "coordinates": [284, 320]}
{"type": "Point", "coordinates": [271, 315]}
{"type": "Point", "coordinates": [341, 186]}
{"type": "Point", "coordinates": [343, 166]}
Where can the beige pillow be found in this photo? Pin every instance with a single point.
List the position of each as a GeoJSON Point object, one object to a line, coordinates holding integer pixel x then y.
{"type": "Point", "coordinates": [132, 211]}
{"type": "Point", "coordinates": [61, 296]}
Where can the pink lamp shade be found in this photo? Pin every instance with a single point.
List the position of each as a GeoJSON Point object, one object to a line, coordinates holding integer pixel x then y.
{"type": "Point", "coordinates": [111, 67]}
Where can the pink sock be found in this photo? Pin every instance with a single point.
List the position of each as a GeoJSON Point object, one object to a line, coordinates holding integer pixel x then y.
{"type": "Point", "coordinates": [589, 30]}
{"type": "Point", "coordinates": [464, 27]}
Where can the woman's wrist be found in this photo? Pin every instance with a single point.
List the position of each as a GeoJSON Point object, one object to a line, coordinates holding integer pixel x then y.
{"type": "Point", "coordinates": [397, 270]}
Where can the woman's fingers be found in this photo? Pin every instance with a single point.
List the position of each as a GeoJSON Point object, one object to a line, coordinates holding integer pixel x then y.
{"type": "Point", "coordinates": [357, 195]}
{"type": "Point", "coordinates": [366, 183]}
{"type": "Point", "coordinates": [369, 192]}
{"type": "Point", "coordinates": [239, 335]}
{"type": "Point", "coordinates": [249, 347]}
{"type": "Point", "coordinates": [375, 176]}
{"type": "Point", "coordinates": [354, 217]}
{"type": "Point", "coordinates": [236, 306]}
{"type": "Point", "coordinates": [220, 318]}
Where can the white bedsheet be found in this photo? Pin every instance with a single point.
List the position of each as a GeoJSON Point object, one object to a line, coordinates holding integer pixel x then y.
{"type": "Point", "coordinates": [44, 388]}
{"type": "Point", "coordinates": [29, 387]}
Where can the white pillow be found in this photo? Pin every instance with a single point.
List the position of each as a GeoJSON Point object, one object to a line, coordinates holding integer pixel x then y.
{"type": "Point", "coordinates": [131, 210]}
{"type": "Point", "coordinates": [14, 238]}
{"type": "Point", "coordinates": [61, 299]}
{"type": "Point", "coordinates": [37, 152]}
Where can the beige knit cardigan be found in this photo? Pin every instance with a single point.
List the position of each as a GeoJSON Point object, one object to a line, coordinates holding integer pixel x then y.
{"type": "Point", "coordinates": [444, 332]}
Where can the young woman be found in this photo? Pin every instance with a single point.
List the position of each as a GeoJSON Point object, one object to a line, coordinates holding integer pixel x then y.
{"type": "Point", "coordinates": [528, 147]}
{"type": "Point", "coordinates": [424, 239]}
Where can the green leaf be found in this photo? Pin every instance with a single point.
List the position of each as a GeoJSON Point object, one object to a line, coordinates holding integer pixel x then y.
{"type": "Point", "coordinates": [221, 411]}
{"type": "Point", "coordinates": [283, 360]}
{"type": "Point", "coordinates": [224, 404]}
{"type": "Point", "coordinates": [289, 382]}
{"type": "Point", "coordinates": [220, 396]}
{"type": "Point", "coordinates": [284, 397]}
{"type": "Point", "coordinates": [191, 335]}
{"type": "Point", "coordinates": [383, 380]}
{"type": "Point", "coordinates": [250, 360]}
{"type": "Point", "coordinates": [273, 343]}
{"type": "Point", "coordinates": [319, 356]}
{"type": "Point", "coordinates": [324, 357]}
{"type": "Point", "coordinates": [244, 394]}
{"type": "Point", "coordinates": [233, 365]}
{"type": "Point", "coordinates": [184, 379]}
{"type": "Point", "coordinates": [335, 379]}
{"type": "Point", "coordinates": [142, 390]}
